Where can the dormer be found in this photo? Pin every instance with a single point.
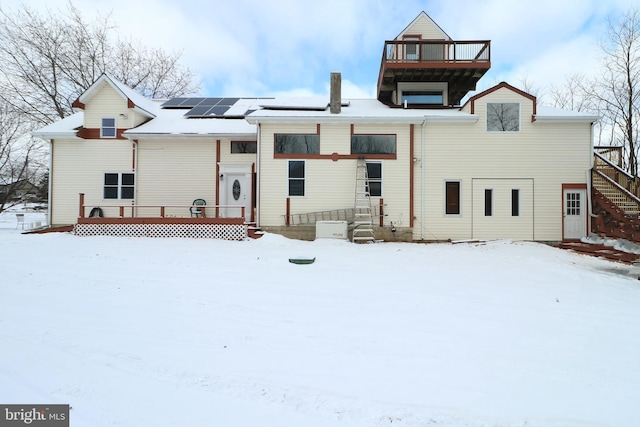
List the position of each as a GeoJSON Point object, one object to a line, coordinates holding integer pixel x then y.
{"type": "Point", "coordinates": [423, 67]}
{"type": "Point", "coordinates": [111, 107]}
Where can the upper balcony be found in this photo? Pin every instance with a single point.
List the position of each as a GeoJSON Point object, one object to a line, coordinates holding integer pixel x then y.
{"type": "Point", "coordinates": [458, 63]}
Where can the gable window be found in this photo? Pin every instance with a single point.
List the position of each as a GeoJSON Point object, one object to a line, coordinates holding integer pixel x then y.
{"type": "Point", "coordinates": [238, 147]}
{"type": "Point", "coordinates": [488, 202]}
{"type": "Point", "coordinates": [296, 177]}
{"type": "Point", "coordinates": [108, 128]}
{"type": "Point", "coordinates": [374, 179]}
{"type": "Point", "coordinates": [452, 197]}
{"type": "Point", "coordinates": [119, 185]}
{"type": "Point", "coordinates": [515, 202]}
{"type": "Point", "coordinates": [373, 144]}
{"type": "Point", "coordinates": [503, 117]}
{"type": "Point", "coordinates": [290, 143]}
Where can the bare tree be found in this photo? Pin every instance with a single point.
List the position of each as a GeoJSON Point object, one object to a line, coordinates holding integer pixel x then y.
{"type": "Point", "coordinates": [617, 92]}
{"type": "Point", "coordinates": [49, 59]}
{"type": "Point", "coordinates": [18, 166]}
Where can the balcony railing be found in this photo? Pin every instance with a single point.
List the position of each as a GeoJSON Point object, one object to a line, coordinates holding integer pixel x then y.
{"type": "Point", "coordinates": [436, 51]}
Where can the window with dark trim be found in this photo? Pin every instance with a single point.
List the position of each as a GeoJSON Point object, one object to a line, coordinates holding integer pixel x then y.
{"type": "Point", "coordinates": [452, 197]}
{"type": "Point", "coordinates": [108, 128]}
{"type": "Point", "coordinates": [427, 97]}
{"type": "Point", "coordinates": [374, 179]}
{"type": "Point", "coordinates": [373, 144]}
{"type": "Point", "coordinates": [238, 147]}
{"type": "Point", "coordinates": [488, 202]}
{"type": "Point", "coordinates": [503, 117]}
{"type": "Point", "coordinates": [515, 202]}
{"type": "Point", "coordinates": [119, 185]}
{"type": "Point", "coordinates": [296, 177]}
{"type": "Point", "coordinates": [290, 143]}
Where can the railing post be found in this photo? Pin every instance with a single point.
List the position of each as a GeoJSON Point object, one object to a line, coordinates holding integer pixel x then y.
{"type": "Point", "coordinates": [287, 211]}
{"type": "Point", "coordinates": [161, 211]}
{"type": "Point", "coordinates": [81, 213]}
{"type": "Point", "coordinates": [121, 211]}
{"type": "Point", "coordinates": [243, 216]}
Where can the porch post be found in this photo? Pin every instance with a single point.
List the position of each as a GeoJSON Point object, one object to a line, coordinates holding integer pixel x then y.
{"type": "Point", "coordinates": [81, 213]}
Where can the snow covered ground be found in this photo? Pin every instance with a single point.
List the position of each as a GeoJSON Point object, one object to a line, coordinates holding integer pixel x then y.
{"type": "Point", "coordinates": [178, 332]}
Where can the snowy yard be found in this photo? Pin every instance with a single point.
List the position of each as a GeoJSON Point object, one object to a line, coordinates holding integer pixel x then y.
{"type": "Point", "coordinates": [178, 332]}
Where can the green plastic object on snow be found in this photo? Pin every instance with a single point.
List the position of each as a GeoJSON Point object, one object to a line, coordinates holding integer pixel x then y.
{"type": "Point", "coordinates": [302, 260]}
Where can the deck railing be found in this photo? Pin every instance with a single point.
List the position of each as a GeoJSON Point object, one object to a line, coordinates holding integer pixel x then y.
{"type": "Point", "coordinates": [438, 51]}
{"type": "Point", "coordinates": [159, 211]}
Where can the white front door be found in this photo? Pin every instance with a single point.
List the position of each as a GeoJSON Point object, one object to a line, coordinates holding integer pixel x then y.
{"type": "Point", "coordinates": [235, 189]}
{"type": "Point", "coordinates": [575, 214]}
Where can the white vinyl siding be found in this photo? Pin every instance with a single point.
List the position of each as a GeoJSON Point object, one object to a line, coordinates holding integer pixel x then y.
{"type": "Point", "coordinates": [330, 184]}
{"type": "Point", "coordinates": [107, 103]}
{"type": "Point", "coordinates": [425, 27]}
{"type": "Point", "coordinates": [176, 172]}
{"type": "Point", "coordinates": [79, 167]}
{"type": "Point", "coordinates": [549, 154]}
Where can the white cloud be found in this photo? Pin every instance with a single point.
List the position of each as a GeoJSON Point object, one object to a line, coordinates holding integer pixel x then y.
{"type": "Point", "coordinates": [258, 48]}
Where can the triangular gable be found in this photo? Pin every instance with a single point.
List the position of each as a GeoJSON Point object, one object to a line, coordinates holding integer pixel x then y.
{"type": "Point", "coordinates": [134, 100]}
{"type": "Point", "coordinates": [424, 26]}
{"type": "Point", "coordinates": [473, 99]}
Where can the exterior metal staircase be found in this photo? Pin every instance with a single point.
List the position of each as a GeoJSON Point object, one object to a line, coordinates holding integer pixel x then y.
{"type": "Point", "coordinates": [363, 219]}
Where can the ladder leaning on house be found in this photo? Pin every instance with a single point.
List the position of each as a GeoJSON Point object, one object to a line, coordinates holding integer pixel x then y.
{"type": "Point", "coordinates": [362, 220]}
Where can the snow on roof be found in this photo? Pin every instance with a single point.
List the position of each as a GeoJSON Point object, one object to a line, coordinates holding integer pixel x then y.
{"type": "Point", "coordinates": [138, 99]}
{"type": "Point", "coordinates": [173, 122]}
{"type": "Point", "coordinates": [360, 110]}
{"type": "Point", "coordinates": [143, 104]}
{"type": "Point", "coordinates": [65, 127]}
{"type": "Point", "coordinates": [546, 113]}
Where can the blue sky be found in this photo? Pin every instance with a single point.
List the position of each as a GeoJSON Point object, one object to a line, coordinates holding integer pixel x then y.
{"type": "Point", "coordinates": [267, 48]}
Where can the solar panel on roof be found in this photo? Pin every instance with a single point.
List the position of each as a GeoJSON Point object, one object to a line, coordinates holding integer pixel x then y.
{"type": "Point", "coordinates": [174, 102]}
{"type": "Point", "coordinates": [218, 110]}
{"type": "Point", "coordinates": [228, 101]}
{"type": "Point", "coordinates": [192, 102]}
{"type": "Point", "coordinates": [209, 101]}
{"type": "Point", "coordinates": [200, 110]}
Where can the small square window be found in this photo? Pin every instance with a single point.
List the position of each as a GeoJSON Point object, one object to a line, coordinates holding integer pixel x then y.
{"type": "Point", "coordinates": [503, 117]}
{"type": "Point", "coordinates": [119, 186]}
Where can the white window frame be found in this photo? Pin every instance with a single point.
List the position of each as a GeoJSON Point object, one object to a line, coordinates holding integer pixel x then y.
{"type": "Point", "coordinates": [103, 127]}
{"type": "Point", "coordinates": [498, 131]}
{"type": "Point", "coordinates": [303, 179]}
{"type": "Point", "coordinates": [380, 180]}
{"type": "Point", "coordinates": [119, 185]}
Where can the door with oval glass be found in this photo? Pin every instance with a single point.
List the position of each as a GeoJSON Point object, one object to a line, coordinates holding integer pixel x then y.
{"type": "Point", "coordinates": [235, 192]}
